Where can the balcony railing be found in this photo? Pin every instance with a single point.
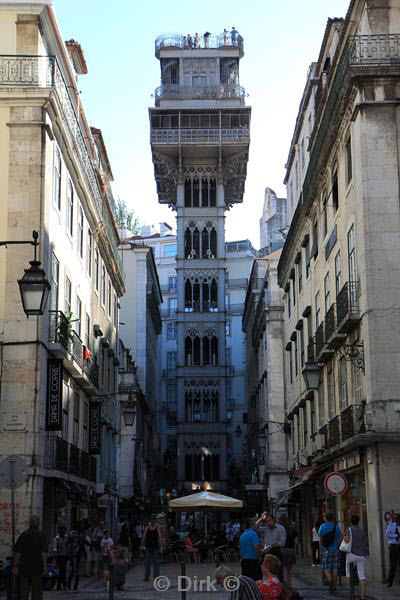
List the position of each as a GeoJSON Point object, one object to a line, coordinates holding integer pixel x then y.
{"type": "Point", "coordinates": [77, 350]}
{"type": "Point", "coordinates": [347, 306]}
{"type": "Point", "coordinates": [91, 370]}
{"type": "Point", "coordinates": [60, 329]}
{"type": "Point", "coordinates": [177, 40]}
{"type": "Point", "coordinates": [199, 92]}
{"type": "Point", "coordinates": [44, 72]}
{"type": "Point", "coordinates": [334, 432]}
{"type": "Point", "coordinates": [319, 339]}
{"type": "Point", "coordinates": [329, 323]}
{"type": "Point", "coordinates": [347, 419]}
{"type": "Point", "coordinates": [378, 49]}
{"type": "Point", "coordinates": [311, 350]}
{"type": "Point", "coordinates": [68, 458]}
{"type": "Point", "coordinates": [196, 136]}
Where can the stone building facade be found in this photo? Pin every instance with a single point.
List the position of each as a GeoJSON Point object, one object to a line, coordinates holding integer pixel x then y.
{"type": "Point", "coordinates": [339, 272]}
{"type": "Point", "coordinates": [55, 178]}
{"type": "Point", "coordinates": [199, 141]}
{"type": "Point", "coordinates": [273, 223]}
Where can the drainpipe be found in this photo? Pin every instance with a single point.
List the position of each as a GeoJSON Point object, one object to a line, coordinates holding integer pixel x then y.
{"type": "Point", "coordinates": [380, 512]}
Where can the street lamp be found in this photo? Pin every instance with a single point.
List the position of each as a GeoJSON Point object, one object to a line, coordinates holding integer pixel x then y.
{"type": "Point", "coordinates": [129, 414]}
{"type": "Point", "coordinates": [238, 431]}
{"type": "Point", "coordinates": [33, 286]}
{"type": "Point", "coordinates": [312, 375]}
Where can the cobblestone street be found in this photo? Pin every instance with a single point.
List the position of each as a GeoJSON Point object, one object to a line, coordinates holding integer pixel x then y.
{"type": "Point", "coordinates": [308, 583]}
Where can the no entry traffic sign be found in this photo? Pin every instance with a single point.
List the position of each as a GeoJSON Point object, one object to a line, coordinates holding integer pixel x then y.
{"type": "Point", "coordinates": [336, 483]}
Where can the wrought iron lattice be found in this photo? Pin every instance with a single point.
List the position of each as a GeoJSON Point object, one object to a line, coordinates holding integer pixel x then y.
{"type": "Point", "coordinates": [378, 49]}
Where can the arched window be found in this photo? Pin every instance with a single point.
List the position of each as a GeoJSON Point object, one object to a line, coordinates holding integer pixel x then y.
{"type": "Point", "coordinates": [196, 193]}
{"type": "Point", "coordinates": [188, 243]}
{"type": "Point", "coordinates": [204, 192]}
{"type": "Point", "coordinates": [206, 351]}
{"type": "Point", "coordinates": [188, 296]}
{"type": "Point", "coordinates": [196, 243]}
{"type": "Point", "coordinates": [214, 351]}
{"type": "Point", "coordinates": [188, 192]}
{"type": "Point", "coordinates": [214, 296]}
{"type": "Point", "coordinates": [188, 351]}
{"type": "Point", "coordinates": [196, 296]}
{"type": "Point", "coordinates": [205, 243]}
{"type": "Point", "coordinates": [213, 243]}
{"type": "Point", "coordinates": [196, 351]}
{"type": "Point", "coordinates": [213, 192]}
{"type": "Point", "coordinates": [206, 295]}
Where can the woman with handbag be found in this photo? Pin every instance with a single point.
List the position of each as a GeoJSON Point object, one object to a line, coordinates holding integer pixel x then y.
{"type": "Point", "coordinates": [355, 545]}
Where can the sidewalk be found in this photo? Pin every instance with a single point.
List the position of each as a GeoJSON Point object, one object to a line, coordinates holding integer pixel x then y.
{"type": "Point", "coordinates": [305, 573]}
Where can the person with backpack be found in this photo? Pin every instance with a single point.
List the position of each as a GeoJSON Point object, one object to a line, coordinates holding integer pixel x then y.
{"type": "Point", "coordinates": [357, 555]}
{"type": "Point", "coordinates": [330, 536]}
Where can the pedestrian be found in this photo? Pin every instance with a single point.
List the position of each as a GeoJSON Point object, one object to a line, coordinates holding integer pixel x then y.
{"type": "Point", "coordinates": [124, 539]}
{"type": "Point", "coordinates": [244, 588]}
{"type": "Point", "coordinates": [152, 543]}
{"type": "Point", "coordinates": [330, 535]}
{"type": "Point", "coordinates": [120, 567]}
{"type": "Point", "coordinates": [393, 537]}
{"type": "Point", "coordinates": [250, 549]}
{"type": "Point", "coordinates": [358, 552]}
{"type": "Point", "coordinates": [76, 552]}
{"type": "Point", "coordinates": [270, 586]}
{"type": "Point", "coordinates": [60, 549]}
{"type": "Point", "coordinates": [225, 37]}
{"type": "Point", "coordinates": [106, 545]}
{"type": "Point", "coordinates": [273, 535]}
{"type": "Point", "coordinates": [289, 549]}
{"type": "Point", "coordinates": [88, 551]}
{"type": "Point", "coordinates": [189, 41]}
{"type": "Point", "coordinates": [30, 560]}
{"type": "Point", "coordinates": [96, 537]}
{"type": "Point", "coordinates": [196, 40]}
{"type": "Point", "coordinates": [233, 33]}
{"type": "Point", "coordinates": [315, 550]}
{"type": "Point", "coordinates": [206, 37]}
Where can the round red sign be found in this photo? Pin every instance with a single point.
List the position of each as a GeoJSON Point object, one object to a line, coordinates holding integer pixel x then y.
{"type": "Point", "coordinates": [336, 483]}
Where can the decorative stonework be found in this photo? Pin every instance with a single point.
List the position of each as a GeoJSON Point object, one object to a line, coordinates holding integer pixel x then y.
{"type": "Point", "coordinates": [234, 177]}
{"type": "Point", "coordinates": [200, 66]}
{"type": "Point", "coordinates": [199, 223]}
{"type": "Point", "coordinates": [200, 171]}
{"type": "Point", "coordinates": [200, 329]}
{"type": "Point", "coordinates": [201, 274]}
{"type": "Point", "coordinates": [166, 176]}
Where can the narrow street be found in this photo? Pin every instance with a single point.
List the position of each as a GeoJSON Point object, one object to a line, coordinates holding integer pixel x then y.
{"type": "Point", "coordinates": [307, 582]}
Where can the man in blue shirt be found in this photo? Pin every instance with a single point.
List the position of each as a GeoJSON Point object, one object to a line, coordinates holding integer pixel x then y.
{"type": "Point", "coordinates": [330, 549]}
{"type": "Point", "coordinates": [249, 551]}
{"type": "Point", "coordinates": [393, 536]}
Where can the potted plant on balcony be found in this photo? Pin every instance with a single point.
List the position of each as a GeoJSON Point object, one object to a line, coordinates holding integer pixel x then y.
{"type": "Point", "coordinates": [64, 328]}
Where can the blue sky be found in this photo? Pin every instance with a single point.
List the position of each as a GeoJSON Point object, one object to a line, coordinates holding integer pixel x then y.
{"type": "Point", "coordinates": [281, 39]}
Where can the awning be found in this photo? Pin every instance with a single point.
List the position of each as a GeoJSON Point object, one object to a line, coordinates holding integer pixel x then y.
{"type": "Point", "coordinates": [205, 501]}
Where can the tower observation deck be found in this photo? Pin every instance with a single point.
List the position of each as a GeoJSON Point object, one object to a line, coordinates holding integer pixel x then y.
{"type": "Point", "coordinates": [199, 137]}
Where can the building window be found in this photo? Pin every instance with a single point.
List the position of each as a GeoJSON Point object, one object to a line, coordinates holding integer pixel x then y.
{"type": "Point", "coordinates": [357, 384]}
{"type": "Point", "coordinates": [331, 393]}
{"type": "Point", "coordinates": [327, 293]}
{"type": "Point", "coordinates": [321, 404]}
{"type": "Point", "coordinates": [170, 250]}
{"type": "Point", "coordinates": [338, 273]}
{"type": "Point", "coordinates": [314, 249]}
{"type": "Point", "coordinates": [317, 310]}
{"type": "Point", "coordinates": [171, 360]}
{"type": "Point", "coordinates": [171, 330]}
{"type": "Point", "coordinates": [80, 233]}
{"type": "Point", "coordinates": [96, 268]}
{"type": "Point", "coordinates": [200, 192]}
{"type": "Point", "coordinates": [291, 365]}
{"type": "Point", "coordinates": [171, 395]}
{"type": "Point", "coordinates": [342, 383]}
{"type": "Point", "coordinates": [335, 192]}
{"type": "Point", "coordinates": [67, 296]}
{"type": "Point", "coordinates": [289, 302]}
{"type": "Point", "coordinates": [103, 285]}
{"type": "Point", "coordinates": [70, 209]}
{"type": "Point", "coordinates": [115, 318]}
{"type": "Point", "coordinates": [57, 179]}
{"type": "Point", "coordinates": [76, 420]}
{"type": "Point", "coordinates": [89, 246]}
{"type": "Point", "coordinates": [302, 155]}
{"type": "Point", "coordinates": [301, 347]}
{"type": "Point", "coordinates": [294, 290]}
{"type": "Point", "coordinates": [55, 276]}
{"type": "Point", "coordinates": [351, 250]}
{"type": "Point", "coordinates": [78, 316]}
{"type": "Point", "coordinates": [172, 284]}
{"type": "Point", "coordinates": [109, 296]}
{"type": "Point", "coordinates": [300, 273]}
{"type": "Point", "coordinates": [295, 357]}
{"type": "Point", "coordinates": [296, 174]}
{"type": "Point", "coordinates": [65, 416]}
{"type": "Point", "coordinates": [349, 162]}
{"type": "Point", "coordinates": [305, 426]}
{"type": "Point", "coordinates": [324, 217]}
{"type": "Point", "coordinates": [307, 257]}
{"type": "Point", "coordinates": [313, 416]}
{"type": "Point", "coordinates": [87, 331]}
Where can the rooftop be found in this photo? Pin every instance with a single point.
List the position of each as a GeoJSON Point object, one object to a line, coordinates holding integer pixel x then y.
{"type": "Point", "coordinates": [226, 39]}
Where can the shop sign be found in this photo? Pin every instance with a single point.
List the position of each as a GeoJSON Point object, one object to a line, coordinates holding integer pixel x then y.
{"type": "Point", "coordinates": [54, 395]}
{"type": "Point", "coordinates": [94, 427]}
{"type": "Point", "coordinates": [335, 483]}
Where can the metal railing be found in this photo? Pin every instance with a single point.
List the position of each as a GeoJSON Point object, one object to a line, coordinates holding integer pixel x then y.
{"type": "Point", "coordinates": [319, 339]}
{"type": "Point", "coordinates": [334, 432]}
{"type": "Point", "coordinates": [77, 351]}
{"type": "Point", "coordinates": [195, 136]}
{"type": "Point", "coordinates": [60, 331]}
{"type": "Point", "coordinates": [378, 49]}
{"type": "Point", "coordinates": [91, 370]}
{"type": "Point", "coordinates": [177, 40]}
{"type": "Point", "coordinates": [68, 458]}
{"type": "Point", "coordinates": [347, 304]}
{"type": "Point", "coordinates": [347, 422]}
{"type": "Point", "coordinates": [199, 92]}
{"type": "Point", "coordinates": [330, 323]}
{"type": "Point", "coordinates": [42, 72]}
